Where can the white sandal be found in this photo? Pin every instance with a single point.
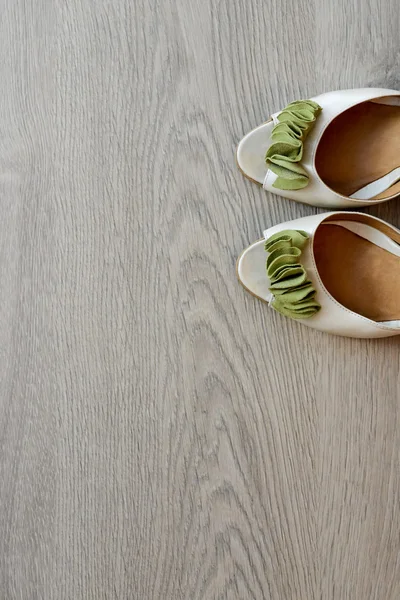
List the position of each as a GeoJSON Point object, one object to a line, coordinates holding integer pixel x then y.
{"type": "Point", "coordinates": [340, 149]}
{"type": "Point", "coordinates": [337, 272]}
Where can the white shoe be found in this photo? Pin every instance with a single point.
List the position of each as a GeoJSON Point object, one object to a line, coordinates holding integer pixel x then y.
{"type": "Point", "coordinates": [340, 149]}
{"type": "Point", "coordinates": [337, 272]}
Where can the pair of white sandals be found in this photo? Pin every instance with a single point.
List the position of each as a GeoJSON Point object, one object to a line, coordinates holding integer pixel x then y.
{"type": "Point", "coordinates": [337, 272]}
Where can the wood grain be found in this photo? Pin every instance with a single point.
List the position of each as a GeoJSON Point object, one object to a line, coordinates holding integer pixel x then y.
{"type": "Point", "coordinates": [162, 434]}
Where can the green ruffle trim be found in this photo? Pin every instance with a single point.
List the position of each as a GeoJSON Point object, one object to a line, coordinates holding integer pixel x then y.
{"type": "Point", "coordinates": [286, 150]}
{"type": "Point", "coordinates": [293, 293]}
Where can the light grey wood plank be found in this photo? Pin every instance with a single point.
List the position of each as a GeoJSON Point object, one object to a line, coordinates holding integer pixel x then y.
{"type": "Point", "coordinates": [162, 434]}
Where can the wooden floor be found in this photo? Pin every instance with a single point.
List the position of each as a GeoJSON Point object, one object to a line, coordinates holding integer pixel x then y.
{"type": "Point", "coordinates": [164, 435]}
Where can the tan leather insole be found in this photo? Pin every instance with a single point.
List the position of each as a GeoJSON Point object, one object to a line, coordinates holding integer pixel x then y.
{"type": "Point", "coordinates": [359, 146]}
{"type": "Point", "coordinates": [360, 275]}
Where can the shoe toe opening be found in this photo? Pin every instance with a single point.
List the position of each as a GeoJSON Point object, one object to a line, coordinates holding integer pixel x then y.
{"type": "Point", "coordinates": [251, 271]}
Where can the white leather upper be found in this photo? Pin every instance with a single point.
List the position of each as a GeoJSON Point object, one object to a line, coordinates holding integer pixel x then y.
{"type": "Point", "coordinates": [333, 317]}
{"type": "Point", "coordinates": [379, 185]}
{"type": "Point", "coordinates": [253, 147]}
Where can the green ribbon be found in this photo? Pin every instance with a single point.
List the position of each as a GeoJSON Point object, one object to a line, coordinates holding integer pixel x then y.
{"type": "Point", "coordinates": [293, 293]}
{"type": "Point", "coordinates": [286, 151]}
